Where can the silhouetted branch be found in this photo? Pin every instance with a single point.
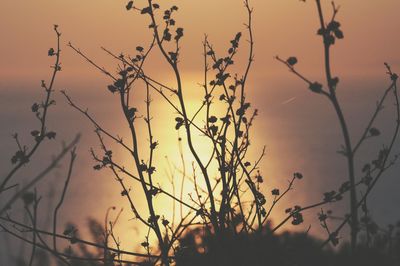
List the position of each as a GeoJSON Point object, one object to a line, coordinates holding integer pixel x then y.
{"type": "Point", "coordinates": [40, 176]}
{"type": "Point", "coordinates": [22, 156]}
{"type": "Point", "coordinates": [61, 201]}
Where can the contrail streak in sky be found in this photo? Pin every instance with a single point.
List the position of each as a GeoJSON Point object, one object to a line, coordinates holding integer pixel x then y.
{"type": "Point", "coordinates": [288, 101]}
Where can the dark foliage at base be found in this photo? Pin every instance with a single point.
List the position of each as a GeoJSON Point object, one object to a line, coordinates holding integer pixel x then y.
{"type": "Point", "coordinates": [287, 249]}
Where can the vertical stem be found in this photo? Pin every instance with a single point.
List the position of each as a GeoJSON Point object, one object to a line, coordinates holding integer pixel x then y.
{"type": "Point", "coordinates": [71, 164]}
{"type": "Point", "coordinates": [149, 197]}
{"type": "Point", "coordinates": [345, 132]}
{"type": "Point", "coordinates": [173, 64]}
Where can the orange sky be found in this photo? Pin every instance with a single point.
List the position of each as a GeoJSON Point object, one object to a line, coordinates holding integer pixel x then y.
{"type": "Point", "coordinates": [282, 27]}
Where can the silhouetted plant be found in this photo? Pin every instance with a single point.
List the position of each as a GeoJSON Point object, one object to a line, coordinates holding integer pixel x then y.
{"type": "Point", "coordinates": [227, 222]}
{"type": "Point", "coordinates": [228, 134]}
{"type": "Point", "coordinates": [25, 189]}
{"type": "Point", "coordinates": [331, 32]}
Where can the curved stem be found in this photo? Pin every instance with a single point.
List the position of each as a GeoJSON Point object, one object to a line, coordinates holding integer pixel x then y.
{"type": "Point", "coordinates": [344, 128]}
